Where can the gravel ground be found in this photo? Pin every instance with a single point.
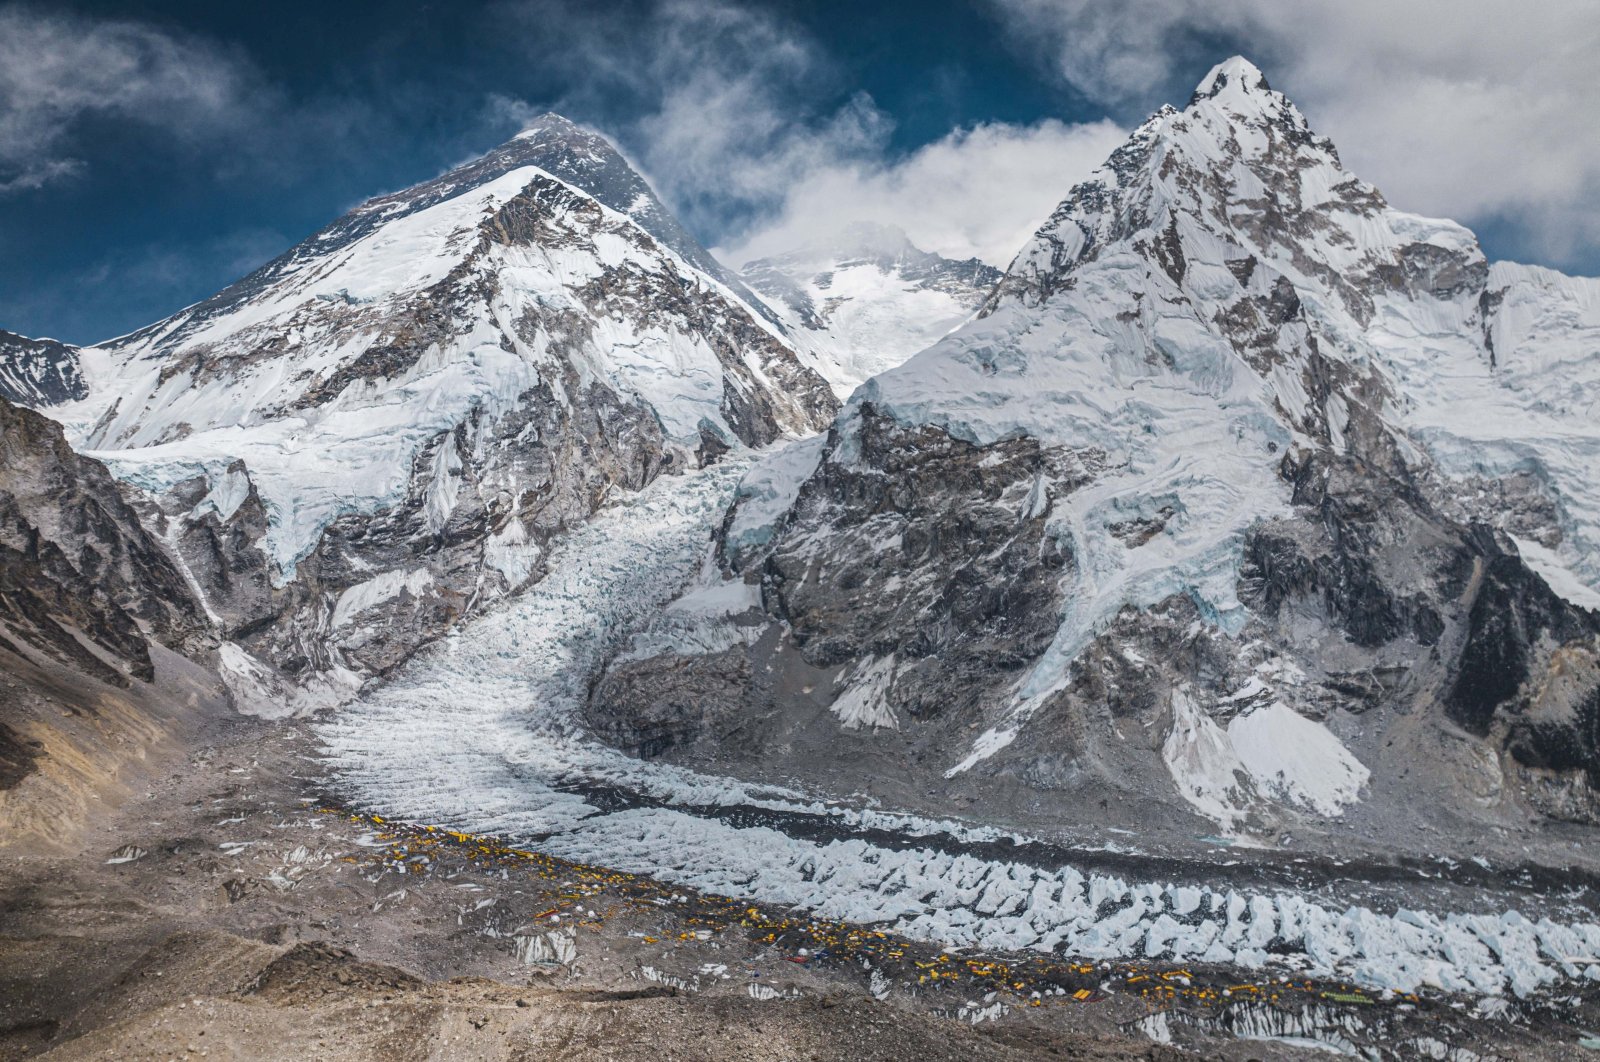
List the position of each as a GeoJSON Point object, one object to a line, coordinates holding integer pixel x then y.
{"type": "Point", "coordinates": [227, 910]}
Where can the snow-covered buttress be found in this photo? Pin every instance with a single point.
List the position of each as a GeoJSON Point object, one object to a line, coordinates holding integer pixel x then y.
{"type": "Point", "coordinates": [38, 372]}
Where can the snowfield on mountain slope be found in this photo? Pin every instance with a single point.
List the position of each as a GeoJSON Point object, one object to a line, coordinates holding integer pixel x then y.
{"type": "Point", "coordinates": [478, 733]}
{"type": "Point", "coordinates": [873, 320]}
{"type": "Point", "coordinates": [863, 299]}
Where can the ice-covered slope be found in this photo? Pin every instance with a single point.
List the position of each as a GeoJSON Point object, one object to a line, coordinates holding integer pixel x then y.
{"type": "Point", "coordinates": [365, 437]}
{"type": "Point", "coordinates": [865, 299]}
{"type": "Point", "coordinates": [38, 372]}
{"type": "Point", "coordinates": [1231, 466]}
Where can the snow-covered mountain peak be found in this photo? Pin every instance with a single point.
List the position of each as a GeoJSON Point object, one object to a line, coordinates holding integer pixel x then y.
{"type": "Point", "coordinates": [410, 404]}
{"type": "Point", "coordinates": [551, 124]}
{"type": "Point", "coordinates": [1240, 176]}
{"type": "Point", "coordinates": [863, 298]}
{"type": "Point", "coordinates": [1237, 77]}
{"type": "Point", "coordinates": [1222, 392]}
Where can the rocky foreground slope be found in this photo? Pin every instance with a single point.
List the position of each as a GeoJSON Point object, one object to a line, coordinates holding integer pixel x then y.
{"type": "Point", "coordinates": [1246, 495]}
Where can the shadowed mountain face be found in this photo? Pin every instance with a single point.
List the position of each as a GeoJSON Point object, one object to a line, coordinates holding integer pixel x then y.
{"type": "Point", "coordinates": [84, 584]}
{"type": "Point", "coordinates": [1245, 495]}
{"type": "Point", "coordinates": [96, 623]}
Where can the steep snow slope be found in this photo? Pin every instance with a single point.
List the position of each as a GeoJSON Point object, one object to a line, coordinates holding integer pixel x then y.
{"type": "Point", "coordinates": [38, 372]}
{"type": "Point", "coordinates": [865, 299]}
{"type": "Point", "coordinates": [1197, 464]}
{"type": "Point", "coordinates": [438, 382]}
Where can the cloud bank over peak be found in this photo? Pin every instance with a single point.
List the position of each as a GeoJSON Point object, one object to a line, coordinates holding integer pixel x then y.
{"type": "Point", "coordinates": [975, 193]}
{"type": "Point", "coordinates": [717, 103]}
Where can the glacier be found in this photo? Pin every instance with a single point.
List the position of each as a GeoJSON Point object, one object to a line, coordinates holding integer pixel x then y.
{"type": "Point", "coordinates": [480, 732]}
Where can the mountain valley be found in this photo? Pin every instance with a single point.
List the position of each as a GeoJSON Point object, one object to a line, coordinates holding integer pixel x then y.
{"type": "Point", "coordinates": [496, 628]}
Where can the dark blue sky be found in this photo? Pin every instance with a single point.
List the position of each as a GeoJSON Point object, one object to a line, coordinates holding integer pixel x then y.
{"type": "Point", "coordinates": [322, 105]}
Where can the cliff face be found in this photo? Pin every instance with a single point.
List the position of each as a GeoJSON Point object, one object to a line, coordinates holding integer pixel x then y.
{"type": "Point", "coordinates": [84, 583]}
{"type": "Point", "coordinates": [98, 626]}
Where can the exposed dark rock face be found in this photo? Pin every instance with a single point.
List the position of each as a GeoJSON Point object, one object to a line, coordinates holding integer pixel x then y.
{"type": "Point", "coordinates": [81, 580]}
{"type": "Point", "coordinates": [17, 757]}
{"type": "Point", "coordinates": [96, 622]}
{"type": "Point", "coordinates": [934, 559]}
{"type": "Point", "coordinates": [1528, 672]}
{"type": "Point", "coordinates": [38, 372]}
{"type": "Point", "coordinates": [938, 554]}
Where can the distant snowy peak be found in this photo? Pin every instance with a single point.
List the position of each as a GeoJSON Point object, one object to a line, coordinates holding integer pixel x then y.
{"type": "Point", "coordinates": [38, 372]}
{"type": "Point", "coordinates": [866, 298]}
{"type": "Point", "coordinates": [885, 247]}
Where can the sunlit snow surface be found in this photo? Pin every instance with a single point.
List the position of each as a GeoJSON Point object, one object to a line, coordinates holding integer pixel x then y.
{"type": "Point", "coordinates": [875, 321]}
{"type": "Point", "coordinates": [480, 732]}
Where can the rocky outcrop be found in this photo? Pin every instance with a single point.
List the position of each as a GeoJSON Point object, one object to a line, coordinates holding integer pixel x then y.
{"type": "Point", "coordinates": [938, 570]}
{"type": "Point", "coordinates": [83, 582]}
{"type": "Point", "coordinates": [97, 622]}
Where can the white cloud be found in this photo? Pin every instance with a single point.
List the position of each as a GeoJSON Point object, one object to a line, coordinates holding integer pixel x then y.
{"type": "Point", "coordinates": [56, 69]}
{"type": "Point", "coordinates": [975, 193]}
{"type": "Point", "coordinates": [719, 105]}
{"type": "Point", "coordinates": [1474, 109]}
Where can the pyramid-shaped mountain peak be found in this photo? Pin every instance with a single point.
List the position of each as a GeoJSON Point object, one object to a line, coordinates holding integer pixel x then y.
{"type": "Point", "coordinates": [1237, 75]}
